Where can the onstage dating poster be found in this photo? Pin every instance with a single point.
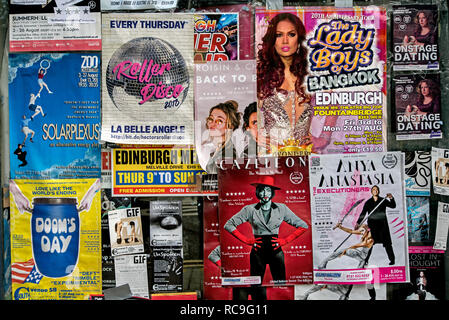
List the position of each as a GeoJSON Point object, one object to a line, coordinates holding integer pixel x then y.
{"type": "Point", "coordinates": [59, 25]}
{"type": "Point", "coordinates": [415, 37]}
{"type": "Point", "coordinates": [359, 218]}
{"type": "Point", "coordinates": [147, 78]}
{"type": "Point", "coordinates": [55, 239]}
{"type": "Point", "coordinates": [54, 118]}
{"type": "Point", "coordinates": [340, 87]}
{"type": "Point", "coordinates": [418, 107]}
{"type": "Point", "coordinates": [264, 215]}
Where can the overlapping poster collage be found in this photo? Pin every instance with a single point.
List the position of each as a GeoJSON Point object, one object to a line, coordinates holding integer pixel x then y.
{"type": "Point", "coordinates": [275, 120]}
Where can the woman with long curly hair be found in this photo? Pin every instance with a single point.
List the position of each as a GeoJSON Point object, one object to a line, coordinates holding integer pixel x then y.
{"type": "Point", "coordinates": [428, 99]}
{"type": "Point", "coordinates": [285, 112]}
{"type": "Point", "coordinates": [426, 30]}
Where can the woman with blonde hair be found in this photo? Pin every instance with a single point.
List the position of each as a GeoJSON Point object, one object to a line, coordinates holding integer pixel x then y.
{"type": "Point", "coordinates": [222, 121]}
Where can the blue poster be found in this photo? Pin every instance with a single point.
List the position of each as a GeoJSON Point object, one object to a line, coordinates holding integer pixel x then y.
{"type": "Point", "coordinates": [54, 115]}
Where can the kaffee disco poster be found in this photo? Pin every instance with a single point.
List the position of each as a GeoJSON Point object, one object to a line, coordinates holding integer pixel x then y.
{"type": "Point", "coordinates": [147, 78]}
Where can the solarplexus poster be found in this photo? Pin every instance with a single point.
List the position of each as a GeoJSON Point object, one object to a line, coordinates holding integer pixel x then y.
{"type": "Point", "coordinates": [264, 216]}
{"type": "Point", "coordinates": [359, 218]}
{"type": "Point", "coordinates": [333, 97]}
{"type": "Point", "coordinates": [147, 78]}
{"type": "Point", "coordinates": [55, 239]}
{"type": "Point", "coordinates": [54, 115]}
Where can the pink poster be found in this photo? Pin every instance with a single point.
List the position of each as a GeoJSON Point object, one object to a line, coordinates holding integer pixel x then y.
{"type": "Point", "coordinates": [321, 79]}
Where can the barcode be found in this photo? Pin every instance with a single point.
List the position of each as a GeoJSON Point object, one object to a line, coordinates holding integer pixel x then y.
{"type": "Point", "coordinates": [315, 162]}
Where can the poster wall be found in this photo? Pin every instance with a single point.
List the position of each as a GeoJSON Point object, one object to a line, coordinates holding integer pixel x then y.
{"type": "Point", "coordinates": [163, 171]}
{"type": "Point", "coordinates": [264, 217]}
{"type": "Point", "coordinates": [58, 25]}
{"type": "Point", "coordinates": [147, 78]}
{"type": "Point", "coordinates": [54, 125]}
{"type": "Point", "coordinates": [55, 239]}
{"type": "Point", "coordinates": [338, 86]}
{"type": "Point", "coordinates": [359, 218]}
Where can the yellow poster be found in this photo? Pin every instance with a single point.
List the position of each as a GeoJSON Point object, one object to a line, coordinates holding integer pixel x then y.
{"type": "Point", "coordinates": [162, 170]}
{"type": "Point", "coordinates": [55, 239]}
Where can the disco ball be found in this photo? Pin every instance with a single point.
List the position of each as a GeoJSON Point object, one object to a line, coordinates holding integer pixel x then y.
{"type": "Point", "coordinates": [126, 93]}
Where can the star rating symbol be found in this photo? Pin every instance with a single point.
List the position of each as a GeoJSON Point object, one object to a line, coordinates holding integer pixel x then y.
{"type": "Point", "coordinates": [323, 223]}
{"type": "Point", "coordinates": [296, 191]}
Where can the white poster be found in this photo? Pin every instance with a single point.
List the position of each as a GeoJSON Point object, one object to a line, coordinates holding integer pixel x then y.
{"type": "Point", "coordinates": [132, 270]}
{"type": "Point", "coordinates": [147, 78]}
{"type": "Point", "coordinates": [442, 226]}
{"type": "Point", "coordinates": [359, 221]}
{"type": "Point", "coordinates": [440, 171]}
{"type": "Point", "coordinates": [125, 231]}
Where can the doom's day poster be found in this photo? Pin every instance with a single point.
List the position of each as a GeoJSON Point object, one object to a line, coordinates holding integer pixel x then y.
{"type": "Point", "coordinates": [338, 84]}
{"type": "Point", "coordinates": [55, 239]}
{"type": "Point", "coordinates": [148, 78]}
{"type": "Point", "coordinates": [54, 116]}
{"type": "Point", "coordinates": [264, 221]}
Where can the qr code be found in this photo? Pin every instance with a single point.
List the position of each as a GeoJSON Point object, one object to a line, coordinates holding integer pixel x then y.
{"type": "Point", "coordinates": [315, 162]}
